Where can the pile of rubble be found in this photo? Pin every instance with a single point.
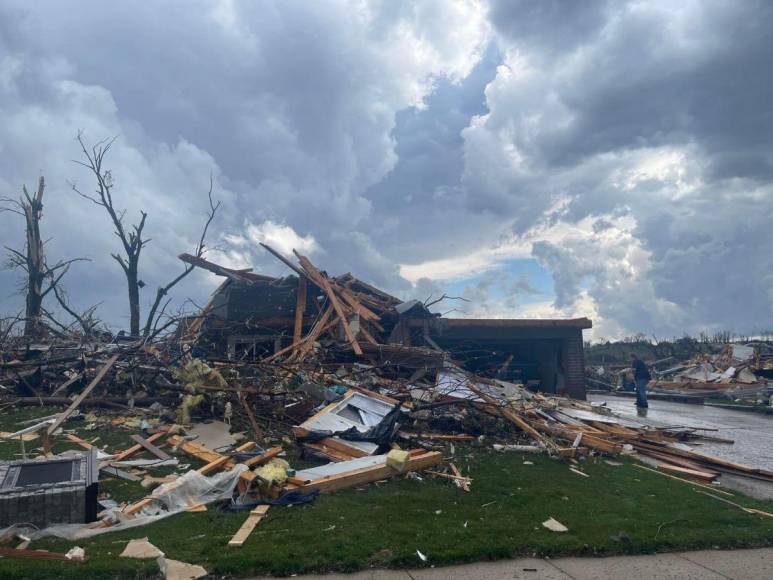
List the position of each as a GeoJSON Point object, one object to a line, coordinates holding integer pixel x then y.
{"type": "Point", "coordinates": [343, 391]}
{"type": "Point", "coordinates": [737, 372]}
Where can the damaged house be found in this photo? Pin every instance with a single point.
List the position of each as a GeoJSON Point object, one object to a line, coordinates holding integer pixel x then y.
{"type": "Point", "coordinates": [253, 317]}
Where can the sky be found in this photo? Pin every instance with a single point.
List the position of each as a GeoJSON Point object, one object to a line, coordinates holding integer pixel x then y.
{"type": "Point", "coordinates": [608, 159]}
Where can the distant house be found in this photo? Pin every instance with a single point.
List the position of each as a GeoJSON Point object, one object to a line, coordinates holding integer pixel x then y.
{"type": "Point", "coordinates": [253, 316]}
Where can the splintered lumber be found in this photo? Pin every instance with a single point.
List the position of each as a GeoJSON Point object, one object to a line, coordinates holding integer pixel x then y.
{"type": "Point", "coordinates": [460, 481]}
{"type": "Point", "coordinates": [370, 474]}
{"type": "Point", "coordinates": [85, 393]}
{"type": "Point", "coordinates": [702, 475]}
{"type": "Point", "coordinates": [37, 555]}
{"type": "Point", "coordinates": [709, 461]}
{"type": "Point", "coordinates": [249, 524]}
{"type": "Point", "coordinates": [321, 325]}
{"type": "Point", "coordinates": [300, 307]}
{"type": "Point", "coordinates": [137, 506]}
{"type": "Point", "coordinates": [224, 461]}
{"type": "Point", "coordinates": [240, 275]}
{"type": "Point", "coordinates": [66, 384]}
{"type": "Point", "coordinates": [695, 483]}
{"type": "Point", "coordinates": [320, 280]}
{"type": "Point", "coordinates": [284, 260]}
{"type": "Point", "coordinates": [324, 323]}
{"type": "Point", "coordinates": [78, 441]}
{"type": "Point", "coordinates": [148, 445]}
{"type": "Point", "coordinates": [137, 448]}
{"type": "Point", "coordinates": [199, 451]}
{"type": "Point", "coordinates": [264, 457]}
{"type": "Point", "coordinates": [436, 436]}
{"type": "Point", "coordinates": [513, 418]}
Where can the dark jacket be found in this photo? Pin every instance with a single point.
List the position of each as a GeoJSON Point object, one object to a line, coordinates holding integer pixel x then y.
{"type": "Point", "coordinates": [640, 370]}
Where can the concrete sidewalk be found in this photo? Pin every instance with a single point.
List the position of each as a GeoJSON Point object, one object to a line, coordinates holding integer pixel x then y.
{"type": "Point", "coordinates": [703, 565]}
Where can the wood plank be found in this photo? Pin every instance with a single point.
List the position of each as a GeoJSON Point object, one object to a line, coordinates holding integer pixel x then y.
{"type": "Point", "coordinates": [85, 393]}
{"type": "Point", "coordinates": [78, 441]}
{"type": "Point", "coordinates": [249, 524]}
{"type": "Point", "coordinates": [702, 475]}
{"type": "Point", "coordinates": [132, 509]}
{"type": "Point", "coordinates": [36, 554]}
{"type": "Point", "coordinates": [264, 457]}
{"type": "Point", "coordinates": [284, 260]}
{"type": "Point", "coordinates": [323, 282]}
{"type": "Point", "coordinates": [225, 461]}
{"type": "Point", "coordinates": [136, 448]}
{"type": "Point", "coordinates": [683, 480]}
{"type": "Point", "coordinates": [300, 307]}
{"type": "Point", "coordinates": [66, 384]}
{"type": "Point", "coordinates": [148, 445]}
{"type": "Point", "coordinates": [460, 483]}
{"type": "Point", "coordinates": [199, 451]}
{"type": "Point", "coordinates": [321, 325]}
{"type": "Point", "coordinates": [436, 436]}
{"type": "Point", "coordinates": [370, 474]}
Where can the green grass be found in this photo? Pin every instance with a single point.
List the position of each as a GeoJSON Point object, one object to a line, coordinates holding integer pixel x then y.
{"type": "Point", "coordinates": [617, 510]}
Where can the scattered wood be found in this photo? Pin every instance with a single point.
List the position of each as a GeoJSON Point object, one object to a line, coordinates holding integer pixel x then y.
{"type": "Point", "coordinates": [370, 474]}
{"type": "Point", "coordinates": [460, 481]}
{"type": "Point", "coordinates": [37, 555]}
{"type": "Point", "coordinates": [85, 393]}
{"type": "Point", "coordinates": [706, 476]}
{"type": "Point", "coordinates": [249, 524]}
{"type": "Point", "coordinates": [148, 445]}
{"type": "Point", "coordinates": [137, 448]}
{"type": "Point", "coordinates": [682, 480]}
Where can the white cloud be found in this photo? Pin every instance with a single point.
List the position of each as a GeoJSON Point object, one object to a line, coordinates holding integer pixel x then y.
{"type": "Point", "coordinates": [282, 238]}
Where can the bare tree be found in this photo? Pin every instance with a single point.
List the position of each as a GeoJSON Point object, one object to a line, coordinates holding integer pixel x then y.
{"type": "Point", "coordinates": [90, 325]}
{"type": "Point", "coordinates": [131, 238]}
{"type": "Point", "coordinates": [162, 291]}
{"type": "Point", "coordinates": [40, 277]}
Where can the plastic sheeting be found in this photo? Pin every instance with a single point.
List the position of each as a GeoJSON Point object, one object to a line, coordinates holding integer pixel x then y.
{"type": "Point", "coordinates": [189, 490]}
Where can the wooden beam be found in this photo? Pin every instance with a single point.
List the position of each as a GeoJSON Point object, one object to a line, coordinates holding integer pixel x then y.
{"type": "Point", "coordinates": [85, 393]}
{"type": "Point", "coordinates": [284, 260]}
{"type": "Point", "coordinates": [241, 275]}
{"type": "Point", "coordinates": [199, 451]}
{"type": "Point", "coordinates": [66, 384]}
{"type": "Point", "coordinates": [323, 282]}
{"type": "Point", "coordinates": [706, 476]}
{"type": "Point", "coordinates": [695, 483]}
{"type": "Point", "coordinates": [318, 328]}
{"type": "Point", "coordinates": [224, 461]}
{"type": "Point", "coordinates": [300, 307]}
{"type": "Point", "coordinates": [249, 524]}
{"type": "Point", "coordinates": [264, 457]}
{"type": "Point", "coordinates": [148, 445]}
{"type": "Point", "coordinates": [136, 448]}
{"type": "Point", "coordinates": [36, 554]}
{"type": "Point", "coordinates": [370, 474]}
{"type": "Point", "coordinates": [78, 441]}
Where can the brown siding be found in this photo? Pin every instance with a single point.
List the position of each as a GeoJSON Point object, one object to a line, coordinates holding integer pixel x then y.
{"type": "Point", "coordinates": [574, 366]}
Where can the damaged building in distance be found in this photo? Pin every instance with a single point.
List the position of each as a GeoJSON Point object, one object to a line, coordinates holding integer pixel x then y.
{"type": "Point", "coordinates": [256, 317]}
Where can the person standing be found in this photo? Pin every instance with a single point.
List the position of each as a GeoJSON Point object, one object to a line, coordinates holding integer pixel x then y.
{"type": "Point", "coordinates": [641, 375]}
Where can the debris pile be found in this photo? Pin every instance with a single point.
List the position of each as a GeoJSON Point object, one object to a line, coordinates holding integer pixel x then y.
{"type": "Point", "coordinates": [736, 372]}
{"type": "Point", "coordinates": [345, 391]}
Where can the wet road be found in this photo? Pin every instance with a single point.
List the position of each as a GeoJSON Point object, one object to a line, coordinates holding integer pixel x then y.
{"type": "Point", "coordinates": [752, 432]}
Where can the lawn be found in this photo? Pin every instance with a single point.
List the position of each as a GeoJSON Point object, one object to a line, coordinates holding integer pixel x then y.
{"type": "Point", "coordinates": [616, 510]}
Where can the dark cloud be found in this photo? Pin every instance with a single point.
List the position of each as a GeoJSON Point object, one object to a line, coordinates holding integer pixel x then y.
{"type": "Point", "coordinates": [629, 145]}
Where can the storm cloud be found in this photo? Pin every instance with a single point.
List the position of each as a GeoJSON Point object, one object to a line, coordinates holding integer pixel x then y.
{"type": "Point", "coordinates": [624, 148]}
